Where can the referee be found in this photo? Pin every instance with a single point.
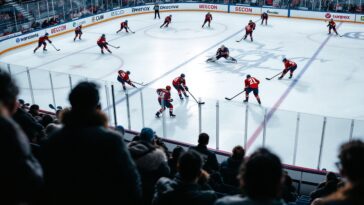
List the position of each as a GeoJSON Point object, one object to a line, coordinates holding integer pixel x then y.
{"type": "Point", "coordinates": [156, 11]}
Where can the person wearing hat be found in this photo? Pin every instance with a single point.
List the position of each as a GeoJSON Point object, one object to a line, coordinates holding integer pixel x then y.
{"type": "Point", "coordinates": [164, 99]}
{"type": "Point", "coordinates": [150, 160]}
{"type": "Point", "coordinates": [42, 42]}
{"type": "Point", "coordinates": [85, 162]}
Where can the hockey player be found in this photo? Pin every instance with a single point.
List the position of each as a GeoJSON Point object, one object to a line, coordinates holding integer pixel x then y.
{"type": "Point", "coordinates": [103, 44]}
{"type": "Point", "coordinates": [222, 52]}
{"type": "Point", "coordinates": [208, 19]}
{"type": "Point", "coordinates": [123, 78]}
{"type": "Point", "coordinates": [332, 25]}
{"type": "Point", "coordinates": [264, 17]}
{"type": "Point", "coordinates": [78, 32]}
{"type": "Point", "coordinates": [124, 25]}
{"type": "Point", "coordinates": [42, 41]}
{"type": "Point", "coordinates": [288, 66]}
{"type": "Point", "coordinates": [167, 21]}
{"type": "Point", "coordinates": [251, 85]}
{"type": "Point", "coordinates": [164, 99]}
{"type": "Point", "coordinates": [249, 30]}
{"type": "Point", "coordinates": [179, 84]}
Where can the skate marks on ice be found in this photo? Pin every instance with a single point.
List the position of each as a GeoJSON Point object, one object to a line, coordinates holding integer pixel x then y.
{"type": "Point", "coordinates": [346, 39]}
{"type": "Point", "coordinates": [62, 57]}
{"type": "Point", "coordinates": [186, 30]}
{"type": "Point", "coordinates": [183, 64]}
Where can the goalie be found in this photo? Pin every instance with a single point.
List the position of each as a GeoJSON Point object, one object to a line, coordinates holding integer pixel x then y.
{"type": "Point", "coordinates": [222, 52]}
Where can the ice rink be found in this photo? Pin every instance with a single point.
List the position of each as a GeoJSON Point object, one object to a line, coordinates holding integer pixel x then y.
{"type": "Point", "coordinates": [327, 83]}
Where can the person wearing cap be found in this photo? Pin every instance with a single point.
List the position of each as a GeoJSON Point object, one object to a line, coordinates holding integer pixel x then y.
{"type": "Point", "coordinates": [150, 160]}
{"type": "Point", "coordinates": [85, 162]}
{"type": "Point", "coordinates": [164, 99]}
{"type": "Point", "coordinates": [42, 42]}
{"type": "Point", "coordinates": [289, 66]}
{"type": "Point", "coordinates": [123, 77]}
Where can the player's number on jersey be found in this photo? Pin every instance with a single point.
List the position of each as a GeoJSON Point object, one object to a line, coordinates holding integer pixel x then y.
{"type": "Point", "coordinates": [252, 81]}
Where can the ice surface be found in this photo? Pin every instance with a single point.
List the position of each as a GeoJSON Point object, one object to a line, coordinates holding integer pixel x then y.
{"type": "Point", "coordinates": [331, 86]}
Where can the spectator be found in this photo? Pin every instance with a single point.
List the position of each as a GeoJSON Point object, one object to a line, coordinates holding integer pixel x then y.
{"type": "Point", "coordinates": [21, 175]}
{"type": "Point", "coordinates": [209, 158]}
{"type": "Point", "coordinates": [85, 162]}
{"type": "Point", "coordinates": [229, 168]}
{"type": "Point", "coordinates": [351, 166]}
{"type": "Point", "coordinates": [326, 188]}
{"type": "Point", "coordinates": [172, 162]}
{"type": "Point", "coordinates": [185, 189]}
{"type": "Point", "coordinates": [32, 128]}
{"type": "Point", "coordinates": [288, 190]}
{"type": "Point", "coordinates": [46, 120]}
{"type": "Point", "coordinates": [45, 24]}
{"type": "Point", "coordinates": [34, 111]}
{"type": "Point", "coordinates": [150, 160]}
{"type": "Point", "coordinates": [260, 179]}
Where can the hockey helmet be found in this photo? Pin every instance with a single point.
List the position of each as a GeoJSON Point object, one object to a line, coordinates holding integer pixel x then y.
{"type": "Point", "coordinates": [250, 21]}
{"type": "Point", "coordinates": [46, 34]}
{"type": "Point", "coordinates": [248, 76]}
{"type": "Point", "coordinates": [168, 87]}
{"type": "Point", "coordinates": [128, 72]}
{"type": "Point", "coordinates": [284, 59]}
{"type": "Point", "coordinates": [103, 35]}
{"type": "Point", "coordinates": [126, 21]}
{"type": "Point", "coordinates": [183, 75]}
{"type": "Point", "coordinates": [170, 15]}
{"type": "Point", "coordinates": [222, 46]}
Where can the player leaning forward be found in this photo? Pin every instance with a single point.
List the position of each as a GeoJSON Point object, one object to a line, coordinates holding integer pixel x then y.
{"type": "Point", "coordinates": [288, 66]}
{"type": "Point", "coordinates": [179, 84]}
{"type": "Point", "coordinates": [249, 30]}
{"type": "Point", "coordinates": [123, 78]}
{"type": "Point", "coordinates": [167, 21]}
{"type": "Point", "coordinates": [42, 41]}
{"type": "Point", "coordinates": [222, 52]}
{"type": "Point", "coordinates": [103, 44]}
{"type": "Point", "coordinates": [251, 85]}
{"type": "Point", "coordinates": [164, 99]}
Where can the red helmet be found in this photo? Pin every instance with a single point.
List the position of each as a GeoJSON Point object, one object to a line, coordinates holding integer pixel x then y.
{"type": "Point", "coordinates": [168, 87]}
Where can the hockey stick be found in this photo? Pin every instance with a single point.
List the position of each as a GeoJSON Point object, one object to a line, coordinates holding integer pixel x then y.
{"type": "Point", "coordinates": [131, 30]}
{"type": "Point", "coordinates": [198, 102]}
{"type": "Point", "coordinates": [273, 76]}
{"type": "Point", "coordinates": [117, 47]}
{"type": "Point", "coordinates": [142, 84]}
{"type": "Point", "coordinates": [235, 95]}
{"type": "Point", "coordinates": [240, 39]}
{"type": "Point", "coordinates": [55, 47]}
